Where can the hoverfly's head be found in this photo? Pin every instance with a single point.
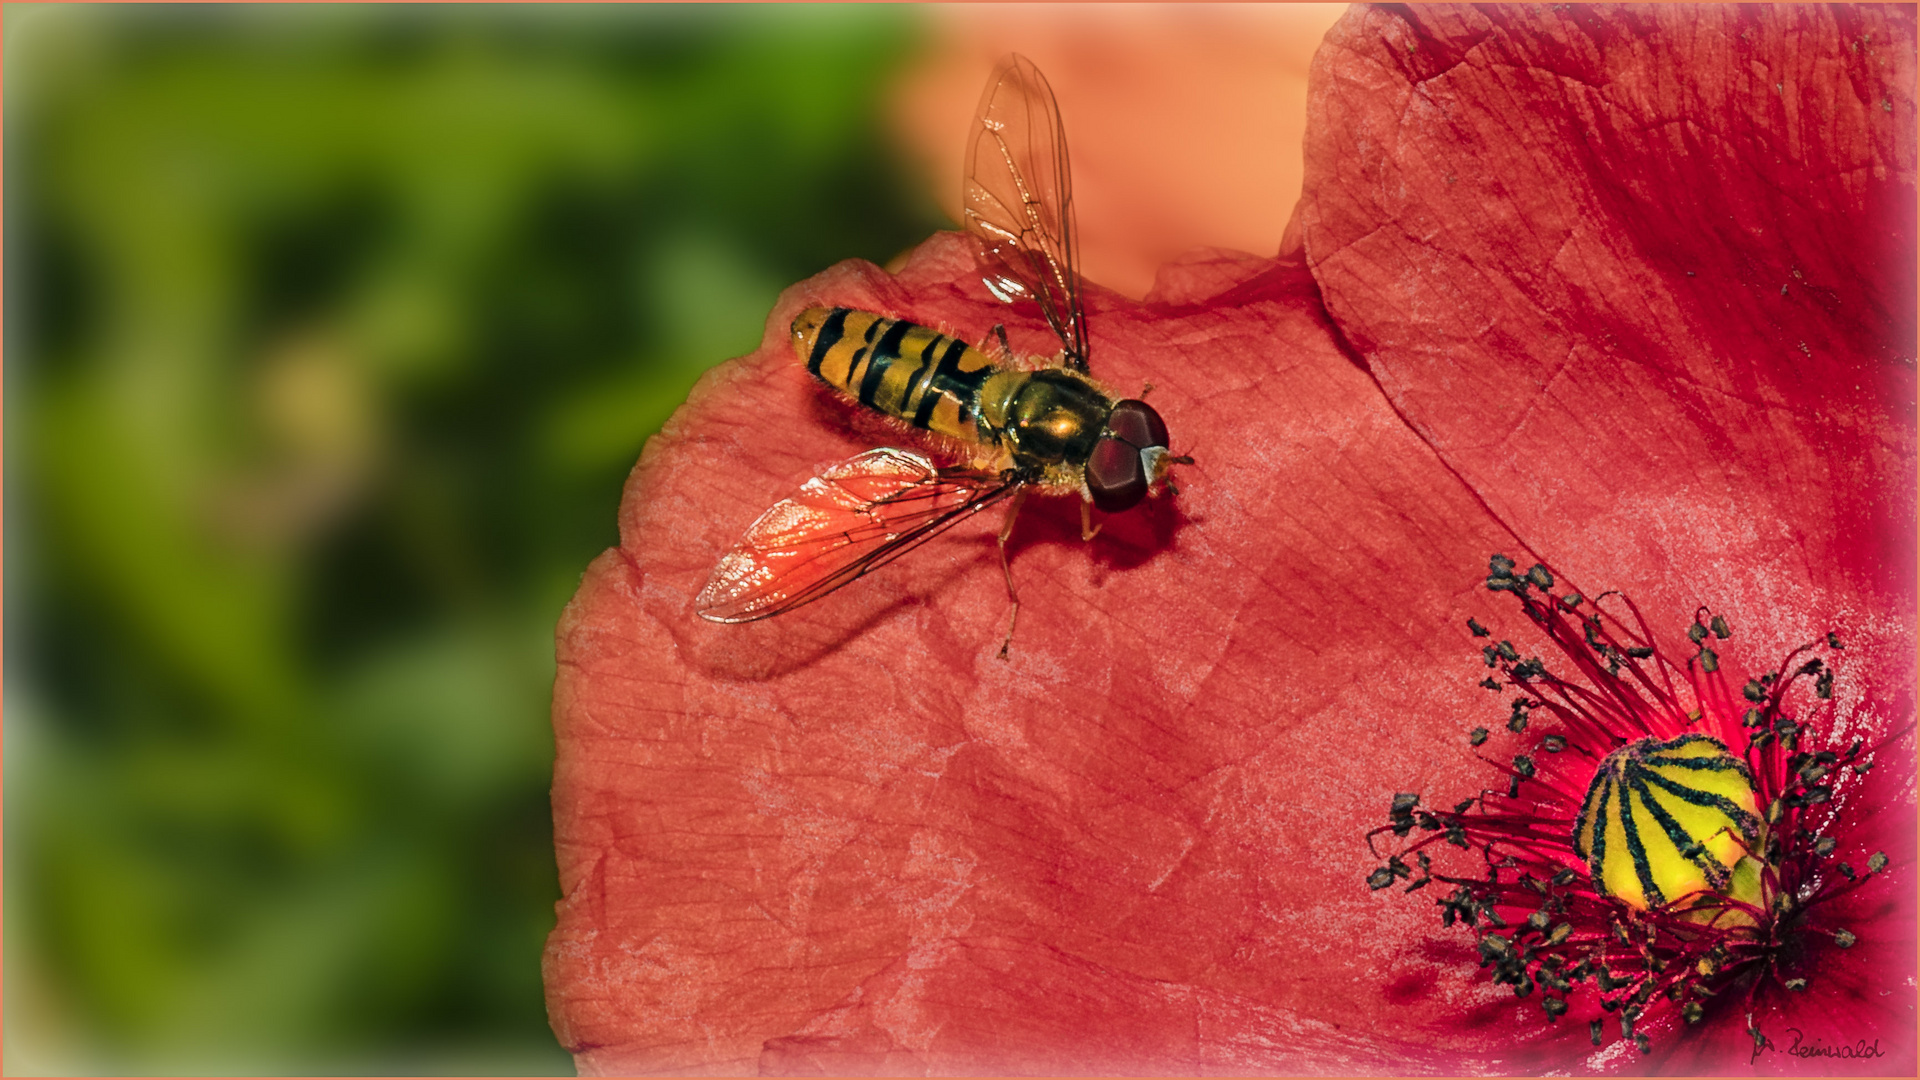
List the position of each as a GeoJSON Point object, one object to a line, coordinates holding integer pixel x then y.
{"type": "Point", "coordinates": [1131, 457]}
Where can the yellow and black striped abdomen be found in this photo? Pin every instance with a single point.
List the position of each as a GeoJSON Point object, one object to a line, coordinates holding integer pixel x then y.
{"type": "Point", "coordinates": [924, 377]}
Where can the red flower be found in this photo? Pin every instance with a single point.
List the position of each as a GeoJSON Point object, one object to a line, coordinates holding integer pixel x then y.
{"type": "Point", "coordinates": [849, 839]}
{"type": "Point", "coordinates": [1645, 280]}
{"type": "Point", "coordinates": [1689, 846]}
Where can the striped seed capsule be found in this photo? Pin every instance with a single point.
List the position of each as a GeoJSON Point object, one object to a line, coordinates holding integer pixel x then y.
{"type": "Point", "coordinates": [1665, 820]}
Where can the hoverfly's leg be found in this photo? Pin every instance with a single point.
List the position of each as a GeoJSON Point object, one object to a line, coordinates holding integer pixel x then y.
{"type": "Point", "coordinates": [1145, 389]}
{"type": "Point", "coordinates": [1000, 333]}
{"type": "Point", "coordinates": [1013, 598]}
{"type": "Point", "coordinates": [1088, 530]}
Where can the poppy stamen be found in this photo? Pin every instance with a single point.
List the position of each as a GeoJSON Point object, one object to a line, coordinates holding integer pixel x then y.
{"type": "Point", "coordinates": [1674, 834]}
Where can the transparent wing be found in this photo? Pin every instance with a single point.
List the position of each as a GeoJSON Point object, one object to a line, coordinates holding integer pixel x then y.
{"type": "Point", "coordinates": [851, 518]}
{"type": "Point", "coordinates": [1018, 200]}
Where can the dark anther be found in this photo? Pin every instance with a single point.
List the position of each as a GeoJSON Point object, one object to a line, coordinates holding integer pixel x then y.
{"type": "Point", "coordinates": [1500, 577]}
{"type": "Point", "coordinates": [1523, 765]}
{"type": "Point", "coordinates": [1540, 577]}
{"type": "Point", "coordinates": [1844, 938]}
{"type": "Point", "coordinates": [1564, 877]}
{"type": "Point", "coordinates": [1517, 722]}
{"type": "Point", "coordinates": [1796, 984]}
{"type": "Point", "coordinates": [1593, 1031]}
{"type": "Point", "coordinates": [1692, 1011]}
{"type": "Point", "coordinates": [1490, 683]}
{"type": "Point", "coordinates": [1560, 933]}
{"type": "Point", "coordinates": [1854, 750]}
{"type": "Point", "coordinates": [1754, 691]}
{"type": "Point", "coordinates": [1696, 633]}
{"type": "Point", "coordinates": [1720, 628]}
{"type": "Point", "coordinates": [1751, 718]}
{"type": "Point", "coordinates": [1823, 684]}
{"type": "Point", "coordinates": [1809, 667]}
{"type": "Point", "coordinates": [1555, 1007]}
{"type": "Point", "coordinates": [1400, 814]}
{"type": "Point", "coordinates": [1491, 655]}
{"type": "Point", "coordinates": [1475, 628]}
{"type": "Point", "coordinates": [1833, 642]}
{"type": "Point", "coordinates": [1709, 661]}
{"type": "Point", "coordinates": [1645, 1044]}
{"type": "Point", "coordinates": [1639, 652]}
{"type": "Point", "coordinates": [1846, 871]}
{"type": "Point", "coordinates": [1379, 879]}
{"type": "Point", "coordinates": [1507, 651]}
{"type": "Point", "coordinates": [1571, 600]}
{"type": "Point", "coordinates": [1823, 846]}
{"type": "Point", "coordinates": [1553, 744]}
{"type": "Point", "coordinates": [1876, 862]}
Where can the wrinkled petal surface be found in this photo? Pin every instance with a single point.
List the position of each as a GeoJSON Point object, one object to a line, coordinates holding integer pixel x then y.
{"type": "Point", "coordinates": [1645, 279]}
{"type": "Point", "coordinates": [850, 840]}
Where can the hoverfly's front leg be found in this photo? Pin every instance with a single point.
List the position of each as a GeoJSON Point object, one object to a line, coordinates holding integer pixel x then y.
{"type": "Point", "coordinates": [1013, 598]}
{"type": "Point", "coordinates": [1088, 530]}
{"type": "Point", "coordinates": [1000, 334]}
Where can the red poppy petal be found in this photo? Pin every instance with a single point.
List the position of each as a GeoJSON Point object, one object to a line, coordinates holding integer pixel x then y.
{"type": "Point", "coordinates": [849, 839]}
{"type": "Point", "coordinates": [1646, 280]}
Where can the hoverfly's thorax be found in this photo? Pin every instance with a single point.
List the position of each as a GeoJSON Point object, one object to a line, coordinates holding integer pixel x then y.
{"type": "Point", "coordinates": [1054, 417]}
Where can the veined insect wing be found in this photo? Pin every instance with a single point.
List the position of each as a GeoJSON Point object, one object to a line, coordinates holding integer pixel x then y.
{"type": "Point", "coordinates": [1018, 201]}
{"type": "Point", "coordinates": [850, 518]}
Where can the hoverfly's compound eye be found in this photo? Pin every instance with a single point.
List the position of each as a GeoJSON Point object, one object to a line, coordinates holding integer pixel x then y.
{"type": "Point", "coordinates": [1137, 423]}
{"type": "Point", "coordinates": [1115, 476]}
{"type": "Point", "coordinates": [1126, 461]}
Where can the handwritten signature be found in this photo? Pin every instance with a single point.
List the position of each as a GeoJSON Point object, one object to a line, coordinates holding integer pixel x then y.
{"type": "Point", "coordinates": [1802, 1048]}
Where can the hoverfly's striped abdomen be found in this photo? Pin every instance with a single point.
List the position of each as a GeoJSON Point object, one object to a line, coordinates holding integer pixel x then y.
{"type": "Point", "coordinates": [924, 377]}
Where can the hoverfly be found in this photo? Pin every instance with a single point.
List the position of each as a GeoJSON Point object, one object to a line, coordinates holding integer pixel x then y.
{"type": "Point", "coordinates": [1041, 425]}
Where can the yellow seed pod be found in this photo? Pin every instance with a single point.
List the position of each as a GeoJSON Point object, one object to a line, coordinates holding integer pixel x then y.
{"type": "Point", "coordinates": [1664, 820]}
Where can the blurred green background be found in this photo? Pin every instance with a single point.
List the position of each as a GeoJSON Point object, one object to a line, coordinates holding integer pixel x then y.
{"type": "Point", "coordinates": [331, 334]}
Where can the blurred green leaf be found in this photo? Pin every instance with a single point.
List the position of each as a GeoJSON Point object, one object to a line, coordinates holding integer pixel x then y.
{"type": "Point", "coordinates": [332, 333]}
